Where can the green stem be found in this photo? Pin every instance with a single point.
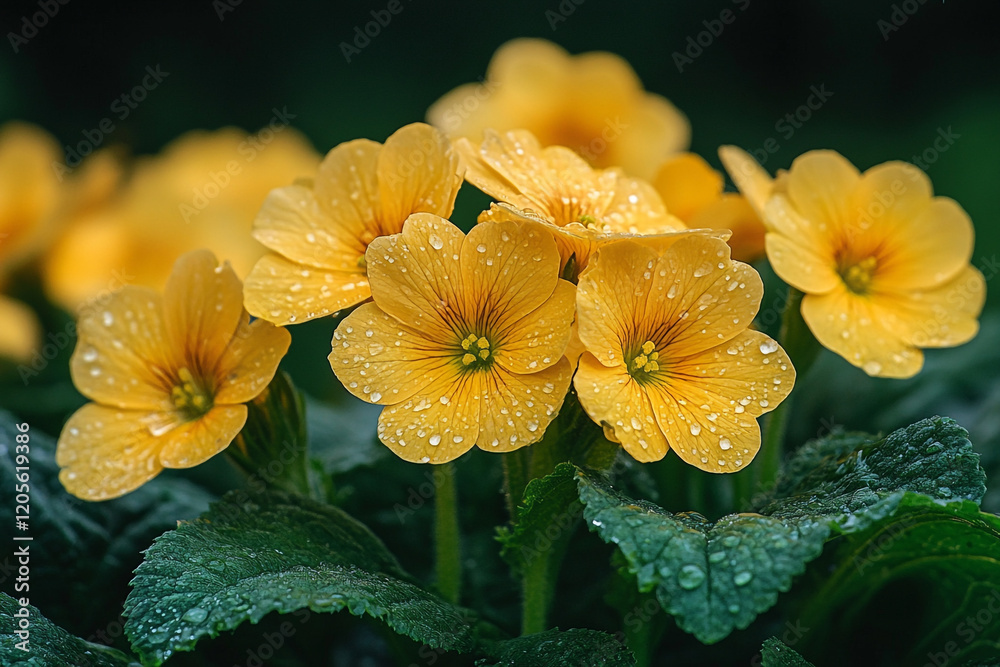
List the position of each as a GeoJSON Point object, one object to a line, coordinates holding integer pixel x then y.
{"type": "Point", "coordinates": [538, 592]}
{"type": "Point", "coordinates": [448, 551]}
{"type": "Point", "coordinates": [802, 348]}
{"type": "Point", "coordinates": [516, 475]}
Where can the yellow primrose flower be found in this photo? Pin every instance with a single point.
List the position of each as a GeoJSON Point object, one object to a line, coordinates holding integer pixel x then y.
{"type": "Point", "coordinates": [464, 341]}
{"type": "Point", "coordinates": [29, 195]}
{"type": "Point", "coordinates": [693, 191]}
{"type": "Point", "coordinates": [670, 361]}
{"type": "Point", "coordinates": [169, 376]}
{"type": "Point", "coordinates": [884, 264]}
{"type": "Point", "coordinates": [320, 231]}
{"type": "Point", "coordinates": [593, 103]}
{"type": "Point", "coordinates": [559, 187]}
{"type": "Point", "coordinates": [201, 191]}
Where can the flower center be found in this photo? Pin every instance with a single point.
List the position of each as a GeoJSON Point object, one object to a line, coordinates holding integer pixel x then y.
{"type": "Point", "coordinates": [858, 276]}
{"type": "Point", "coordinates": [477, 352]}
{"type": "Point", "coordinates": [191, 397]}
{"type": "Point", "coordinates": [645, 361]}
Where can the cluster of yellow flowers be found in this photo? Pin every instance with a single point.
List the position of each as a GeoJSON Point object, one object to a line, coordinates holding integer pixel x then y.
{"type": "Point", "coordinates": [603, 263]}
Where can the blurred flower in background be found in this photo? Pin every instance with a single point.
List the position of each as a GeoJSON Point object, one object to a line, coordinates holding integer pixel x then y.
{"type": "Point", "coordinates": [29, 197]}
{"type": "Point", "coordinates": [592, 103]}
{"type": "Point", "coordinates": [202, 191]}
{"type": "Point", "coordinates": [693, 191]}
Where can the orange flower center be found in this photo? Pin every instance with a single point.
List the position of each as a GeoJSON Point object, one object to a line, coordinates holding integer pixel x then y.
{"type": "Point", "coordinates": [857, 276]}
{"type": "Point", "coordinates": [476, 353]}
{"type": "Point", "coordinates": [190, 395]}
{"type": "Point", "coordinates": [644, 362]}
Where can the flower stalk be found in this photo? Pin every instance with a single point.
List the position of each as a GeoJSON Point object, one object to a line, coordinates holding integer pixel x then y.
{"type": "Point", "coordinates": [447, 542]}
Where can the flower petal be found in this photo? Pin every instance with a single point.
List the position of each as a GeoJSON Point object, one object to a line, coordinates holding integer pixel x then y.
{"type": "Point", "coordinates": [730, 447]}
{"type": "Point", "coordinates": [690, 298]}
{"type": "Point", "coordinates": [941, 317]}
{"type": "Point", "coordinates": [750, 178]}
{"type": "Point", "coordinates": [733, 212]}
{"type": "Point", "coordinates": [539, 339]}
{"type": "Point", "coordinates": [291, 222]}
{"type": "Point", "coordinates": [636, 208]}
{"type": "Point", "coordinates": [381, 360]}
{"type": "Point", "coordinates": [346, 187]}
{"type": "Point", "coordinates": [801, 254]}
{"type": "Point", "coordinates": [21, 331]}
{"type": "Point", "coordinates": [104, 453]}
{"type": "Point", "coordinates": [194, 442]}
{"type": "Point", "coordinates": [853, 327]}
{"type": "Point", "coordinates": [417, 172]}
{"type": "Point", "coordinates": [517, 408]}
{"type": "Point", "coordinates": [929, 249]}
{"type": "Point", "coordinates": [250, 361]}
{"type": "Point", "coordinates": [437, 425]}
{"type": "Point", "coordinates": [821, 186]}
{"type": "Point", "coordinates": [284, 292]}
{"type": "Point", "coordinates": [509, 269]}
{"type": "Point", "coordinates": [653, 129]}
{"type": "Point", "coordinates": [686, 183]}
{"type": "Point", "coordinates": [202, 306]}
{"type": "Point", "coordinates": [121, 357]}
{"type": "Point", "coordinates": [415, 275]}
{"type": "Point", "coordinates": [613, 399]}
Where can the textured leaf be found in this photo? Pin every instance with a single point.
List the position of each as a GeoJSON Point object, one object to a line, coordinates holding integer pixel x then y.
{"type": "Point", "coordinates": [48, 644]}
{"type": "Point", "coordinates": [933, 457]}
{"type": "Point", "coordinates": [712, 577]}
{"type": "Point", "coordinates": [715, 578]}
{"type": "Point", "coordinates": [342, 436]}
{"type": "Point", "coordinates": [554, 648]}
{"type": "Point", "coordinates": [546, 519]}
{"type": "Point", "coordinates": [251, 555]}
{"type": "Point", "coordinates": [925, 582]}
{"type": "Point", "coordinates": [776, 654]}
{"type": "Point", "coordinates": [83, 553]}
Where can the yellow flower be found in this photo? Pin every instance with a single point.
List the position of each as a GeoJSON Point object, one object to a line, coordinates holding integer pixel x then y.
{"type": "Point", "coordinates": [320, 231]}
{"type": "Point", "coordinates": [593, 103]}
{"type": "Point", "coordinates": [557, 186]}
{"type": "Point", "coordinates": [670, 361]}
{"type": "Point", "coordinates": [464, 341]}
{"type": "Point", "coordinates": [693, 191]}
{"type": "Point", "coordinates": [884, 264]}
{"type": "Point", "coordinates": [169, 376]}
{"type": "Point", "coordinates": [201, 191]}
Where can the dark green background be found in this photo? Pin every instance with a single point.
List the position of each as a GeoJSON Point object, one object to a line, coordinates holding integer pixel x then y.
{"type": "Point", "coordinates": [890, 96]}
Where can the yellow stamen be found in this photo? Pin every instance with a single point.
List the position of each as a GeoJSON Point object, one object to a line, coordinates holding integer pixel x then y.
{"type": "Point", "coordinates": [190, 396]}
{"type": "Point", "coordinates": [858, 276]}
{"type": "Point", "coordinates": [468, 359]}
{"type": "Point", "coordinates": [647, 361]}
{"type": "Point", "coordinates": [477, 350]}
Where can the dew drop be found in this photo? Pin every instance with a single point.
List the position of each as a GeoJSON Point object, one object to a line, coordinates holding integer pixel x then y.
{"type": "Point", "coordinates": [435, 440]}
{"type": "Point", "coordinates": [690, 577]}
{"type": "Point", "coordinates": [768, 346]}
{"type": "Point", "coordinates": [742, 578]}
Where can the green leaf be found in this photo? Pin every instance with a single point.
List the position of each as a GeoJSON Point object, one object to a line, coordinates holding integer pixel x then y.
{"type": "Point", "coordinates": [342, 436]}
{"type": "Point", "coordinates": [718, 577]}
{"type": "Point", "coordinates": [713, 578]}
{"type": "Point", "coordinates": [554, 648]}
{"type": "Point", "coordinates": [43, 644]}
{"type": "Point", "coordinates": [546, 518]}
{"type": "Point", "coordinates": [854, 480]}
{"type": "Point", "coordinates": [251, 555]}
{"type": "Point", "coordinates": [925, 580]}
{"type": "Point", "coordinates": [83, 553]}
{"type": "Point", "coordinates": [776, 654]}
